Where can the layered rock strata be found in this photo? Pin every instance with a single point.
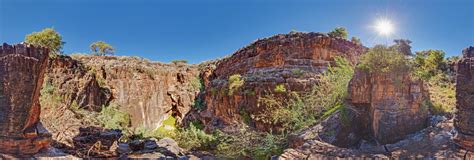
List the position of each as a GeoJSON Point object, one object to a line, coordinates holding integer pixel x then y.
{"type": "Point", "coordinates": [293, 60]}
{"type": "Point", "coordinates": [149, 91]}
{"type": "Point", "coordinates": [464, 118]}
{"type": "Point", "coordinates": [395, 104]}
{"type": "Point", "coordinates": [21, 77]}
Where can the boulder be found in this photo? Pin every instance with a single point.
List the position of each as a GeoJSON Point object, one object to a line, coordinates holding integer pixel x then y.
{"type": "Point", "coordinates": [394, 104]}
{"type": "Point", "coordinates": [464, 118]}
{"type": "Point", "coordinates": [21, 76]}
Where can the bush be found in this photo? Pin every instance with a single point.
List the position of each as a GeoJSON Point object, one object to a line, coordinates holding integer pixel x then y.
{"type": "Point", "coordinates": [338, 32]}
{"type": "Point", "coordinates": [112, 118]}
{"type": "Point", "coordinates": [48, 37]}
{"type": "Point", "coordinates": [194, 138]}
{"type": "Point", "coordinates": [179, 61]}
{"type": "Point", "coordinates": [383, 59]}
{"type": "Point", "coordinates": [235, 82]}
{"type": "Point", "coordinates": [280, 88]}
{"type": "Point", "coordinates": [300, 110]}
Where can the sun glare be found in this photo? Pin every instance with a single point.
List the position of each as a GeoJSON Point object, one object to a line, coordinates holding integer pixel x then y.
{"type": "Point", "coordinates": [384, 27]}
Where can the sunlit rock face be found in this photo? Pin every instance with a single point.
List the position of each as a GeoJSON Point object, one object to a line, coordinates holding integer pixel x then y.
{"type": "Point", "coordinates": [21, 77]}
{"type": "Point", "coordinates": [464, 119]}
{"type": "Point", "coordinates": [149, 91]}
{"type": "Point", "coordinates": [393, 104]}
{"type": "Point", "coordinates": [294, 60]}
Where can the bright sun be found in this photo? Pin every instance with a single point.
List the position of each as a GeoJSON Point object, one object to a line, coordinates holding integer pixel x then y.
{"type": "Point", "coordinates": [384, 27]}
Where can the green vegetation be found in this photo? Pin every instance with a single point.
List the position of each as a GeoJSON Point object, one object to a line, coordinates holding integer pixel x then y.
{"type": "Point", "coordinates": [301, 110]}
{"type": "Point", "coordinates": [100, 48]}
{"type": "Point", "coordinates": [179, 61]}
{"type": "Point", "coordinates": [235, 82]}
{"type": "Point", "coordinates": [356, 40]}
{"type": "Point", "coordinates": [339, 32]}
{"type": "Point", "coordinates": [48, 97]}
{"type": "Point", "coordinates": [280, 88]}
{"type": "Point", "coordinates": [112, 118]}
{"type": "Point", "coordinates": [48, 37]}
{"type": "Point", "coordinates": [297, 72]}
{"type": "Point", "coordinates": [403, 46]}
{"type": "Point", "coordinates": [383, 59]}
{"type": "Point", "coordinates": [429, 63]}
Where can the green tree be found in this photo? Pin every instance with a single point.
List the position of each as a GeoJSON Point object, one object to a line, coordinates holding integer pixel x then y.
{"type": "Point", "coordinates": [356, 40]}
{"type": "Point", "coordinates": [340, 32]}
{"type": "Point", "coordinates": [48, 37]}
{"type": "Point", "coordinates": [101, 48]}
{"type": "Point", "coordinates": [403, 46]}
{"type": "Point", "coordinates": [429, 63]}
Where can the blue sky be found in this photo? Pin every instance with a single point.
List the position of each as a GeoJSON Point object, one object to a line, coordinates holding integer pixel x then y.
{"type": "Point", "coordinates": [199, 30]}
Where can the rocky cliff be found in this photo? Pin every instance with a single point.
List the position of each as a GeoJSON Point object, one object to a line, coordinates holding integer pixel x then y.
{"type": "Point", "coordinates": [21, 75]}
{"type": "Point", "coordinates": [149, 91]}
{"type": "Point", "coordinates": [393, 104]}
{"type": "Point", "coordinates": [293, 60]}
{"type": "Point", "coordinates": [464, 119]}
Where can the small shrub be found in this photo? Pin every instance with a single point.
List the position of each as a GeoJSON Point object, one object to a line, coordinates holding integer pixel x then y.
{"type": "Point", "coordinates": [112, 118]}
{"type": "Point", "coordinates": [271, 145]}
{"type": "Point", "coordinates": [297, 72]}
{"type": "Point", "coordinates": [194, 138]}
{"type": "Point", "coordinates": [199, 104]}
{"type": "Point", "coordinates": [74, 106]}
{"type": "Point", "coordinates": [382, 59]}
{"type": "Point", "coordinates": [197, 83]}
{"type": "Point", "coordinates": [179, 62]}
{"type": "Point", "coordinates": [235, 82]}
{"type": "Point", "coordinates": [280, 88]}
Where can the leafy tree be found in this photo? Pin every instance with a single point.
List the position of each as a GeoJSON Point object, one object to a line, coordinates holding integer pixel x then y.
{"type": "Point", "coordinates": [403, 46]}
{"type": "Point", "coordinates": [356, 40]}
{"type": "Point", "coordinates": [383, 59]}
{"type": "Point", "coordinates": [340, 32]}
{"type": "Point", "coordinates": [429, 63]}
{"type": "Point", "coordinates": [48, 37]}
{"type": "Point", "coordinates": [101, 48]}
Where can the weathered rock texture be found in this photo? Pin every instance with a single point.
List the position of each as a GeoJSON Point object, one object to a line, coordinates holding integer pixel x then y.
{"type": "Point", "coordinates": [294, 60]}
{"type": "Point", "coordinates": [433, 142]}
{"type": "Point", "coordinates": [394, 104]}
{"type": "Point", "coordinates": [21, 76]}
{"type": "Point", "coordinates": [464, 119]}
{"type": "Point", "coordinates": [149, 91]}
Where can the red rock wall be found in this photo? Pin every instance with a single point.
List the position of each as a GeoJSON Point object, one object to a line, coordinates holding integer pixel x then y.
{"type": "Point", "coordinates": [293, 60]}
{"type": "Point", "coordinates": [21, 76]}
{"type": "Point", "coordinates": [395, 108]}
{"type": "Point", "coordinates": [464, 119]}
{"type": "Point", "coordinates": [149, 91]}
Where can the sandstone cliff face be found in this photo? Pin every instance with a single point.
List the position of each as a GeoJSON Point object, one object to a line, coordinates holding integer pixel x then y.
{"type": "Point", "coordinates": [294, 60]}
{"type": "Point", "coordinates": [21, 75]}
{"type": "Point", "coordinates": [150, 92]}
{"type": "Point", "coordinates": [464, 119]}
{"type": "Point", "coordinates": [393, 104]}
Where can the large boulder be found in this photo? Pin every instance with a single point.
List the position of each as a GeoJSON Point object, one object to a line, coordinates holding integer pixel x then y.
{"type": "Point", "coordinates": [394, 104]}
{"type": "Point", "coordinates": [294, 60]}
{"type": "Point", "coordinates": [21, 77]}
{"type": "Point", "coordinates": [464, 119]}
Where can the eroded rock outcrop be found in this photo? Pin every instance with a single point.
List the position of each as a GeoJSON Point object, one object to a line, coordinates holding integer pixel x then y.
{"type": "Point", "coordinates": [393, 104]}
{"type": "Point", "coordinates": [294, 60]}
{"type": "Point", "coordinates": [21, 75]}
{"type": "Point", "coordinates": [464, 119]}
{"type": "Point", "coordinates": [149, 91]}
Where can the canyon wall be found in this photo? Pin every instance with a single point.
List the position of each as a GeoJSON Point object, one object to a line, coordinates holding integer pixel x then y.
{"type": "Point", "coordinates": [394, 105]}
{"type": "Point", "coordinates": [293, 60]}
{"type": "Point", "coordinates": [149, 91]}
{"type": "Point", "coordinates": [464, 119]}
{"type": "Point", "coordinates": [21, 77]}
